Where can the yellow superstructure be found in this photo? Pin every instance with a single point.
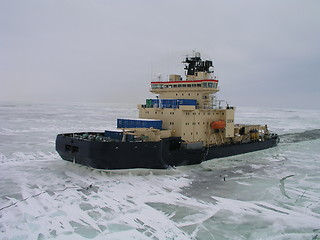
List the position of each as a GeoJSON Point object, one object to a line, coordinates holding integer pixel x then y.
{"type": "Point", "coordinates": [195, 122]}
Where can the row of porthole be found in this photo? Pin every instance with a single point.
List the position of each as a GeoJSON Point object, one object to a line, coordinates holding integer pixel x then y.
{"type": "Point", "coordinates": [182, 94]}
{"type": "Point", "coordinates": [147, 112]}
{"type": "Point", "coordinates": [204, 113]}
{"type": "Point", "coordinates": [195, 123]}
{"type": "Point", "coordinates": [192, 134]}
{"type": "Point", "coordinates": [197, 133]}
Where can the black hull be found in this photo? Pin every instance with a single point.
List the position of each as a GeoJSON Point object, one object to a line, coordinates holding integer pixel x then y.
{"type": "Point", "coordinates": [156, 155]}
{"type": "Point", "coordinates": [236, 149]}
{"type": "Point", "coordinates": [110, 155]}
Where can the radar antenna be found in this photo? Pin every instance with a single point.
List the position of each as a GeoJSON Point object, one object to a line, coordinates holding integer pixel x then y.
{"type": "Point", "coordinates": [195, 64]}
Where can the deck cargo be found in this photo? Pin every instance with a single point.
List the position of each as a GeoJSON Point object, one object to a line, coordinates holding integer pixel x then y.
{"type": "Point", "coordinates": [139, 123]}
{"type": "Point", "coordinates": [169, 103]}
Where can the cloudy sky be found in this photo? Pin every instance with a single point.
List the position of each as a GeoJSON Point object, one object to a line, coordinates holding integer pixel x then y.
{"type": "Point", "coordinates": [266, 53]}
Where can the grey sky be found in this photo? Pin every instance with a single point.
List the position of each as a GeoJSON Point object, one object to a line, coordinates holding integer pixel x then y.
{"type": "Point", "coordinates": [266, 53]}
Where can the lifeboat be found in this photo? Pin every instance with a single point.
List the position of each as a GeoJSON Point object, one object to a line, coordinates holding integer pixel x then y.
{"type": "Point", "coordinates": [217, 124]}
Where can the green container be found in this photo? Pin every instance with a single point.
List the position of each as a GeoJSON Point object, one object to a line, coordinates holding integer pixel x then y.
{"type": "Point", "coordinates": [148, 102]}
